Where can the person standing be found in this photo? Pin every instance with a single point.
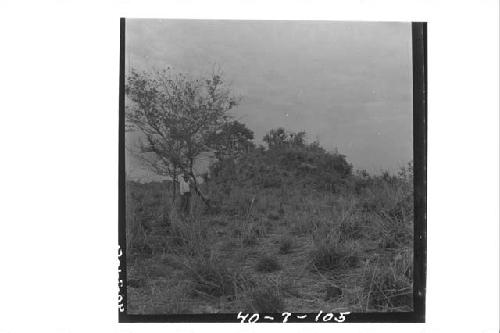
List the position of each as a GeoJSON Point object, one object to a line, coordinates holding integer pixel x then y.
{"type": "Point", "coordinates": [185, 191]}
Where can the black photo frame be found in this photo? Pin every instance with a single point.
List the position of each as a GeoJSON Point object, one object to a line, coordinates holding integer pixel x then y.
{"type": "Point", "coordinates": [419, 51]}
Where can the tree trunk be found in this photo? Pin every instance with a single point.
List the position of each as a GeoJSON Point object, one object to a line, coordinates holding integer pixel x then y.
{"type": "Point", "coordinates": [205, 200]}
{"type": "Point", "coordinates": [173, 188]}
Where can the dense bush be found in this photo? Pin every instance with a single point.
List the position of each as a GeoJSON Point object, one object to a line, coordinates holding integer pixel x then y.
{"type": "Point", "coordinates": [280, 165]}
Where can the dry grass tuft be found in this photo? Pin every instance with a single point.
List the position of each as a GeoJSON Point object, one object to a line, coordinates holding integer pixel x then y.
{"type": "Point", "coordinates": [286, 244]}
{"type": "Point", "coordinates": [212, 277]}
{"type": "Point", "coordinates": [266, 300]}
{"type": "Point", "coordinates": [389, 286]}
{"type": "Point", "coordinates": [267, 264]}
{"type": "Point", "coordinates": [335, 255]}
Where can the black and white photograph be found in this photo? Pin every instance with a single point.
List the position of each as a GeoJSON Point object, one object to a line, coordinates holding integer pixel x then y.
{"type": "Point", "coordinates": [269, 167]}
{"type": "Point", "coordinates": [216, 166]}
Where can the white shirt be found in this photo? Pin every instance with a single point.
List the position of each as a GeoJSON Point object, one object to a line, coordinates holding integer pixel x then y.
{"type": "Point", "coordinates": [183, 185]}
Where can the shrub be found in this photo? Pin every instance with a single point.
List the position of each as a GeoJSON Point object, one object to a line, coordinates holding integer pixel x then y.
{"type": "Point", "coordinates": [267, 264]}
{"type": "Point", "coordinates": [283, 162]}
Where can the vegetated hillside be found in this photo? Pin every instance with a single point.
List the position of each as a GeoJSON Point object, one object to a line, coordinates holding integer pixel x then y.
{"type": "Point", "coordinates": [291, 228]}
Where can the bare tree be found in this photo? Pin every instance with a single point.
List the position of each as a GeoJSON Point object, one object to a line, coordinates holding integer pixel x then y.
{"type": "Point", "coordinates": [176, 115]}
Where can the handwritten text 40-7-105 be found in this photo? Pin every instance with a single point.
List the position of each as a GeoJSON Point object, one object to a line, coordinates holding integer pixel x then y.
{"type": "Point", "coordinates": [320, 317]}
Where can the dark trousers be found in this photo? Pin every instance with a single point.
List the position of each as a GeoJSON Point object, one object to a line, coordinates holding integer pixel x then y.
{"type": "Point", "coordinates": [185, 203]}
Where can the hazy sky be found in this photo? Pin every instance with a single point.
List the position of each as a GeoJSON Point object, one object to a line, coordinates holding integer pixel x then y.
{"type": "Point", "coordinates": [348, 84]}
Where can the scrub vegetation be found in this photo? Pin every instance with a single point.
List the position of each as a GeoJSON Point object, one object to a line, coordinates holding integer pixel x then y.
{"type": "Point", "coordinates": [284, 226]}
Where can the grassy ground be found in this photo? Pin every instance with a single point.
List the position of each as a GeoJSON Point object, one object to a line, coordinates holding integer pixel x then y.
{"type": "Point", "coordinates": [272, 245]}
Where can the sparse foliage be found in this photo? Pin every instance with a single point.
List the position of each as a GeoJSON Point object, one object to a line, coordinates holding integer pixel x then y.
{"type": "Point", "coordinates": [176, 116]}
